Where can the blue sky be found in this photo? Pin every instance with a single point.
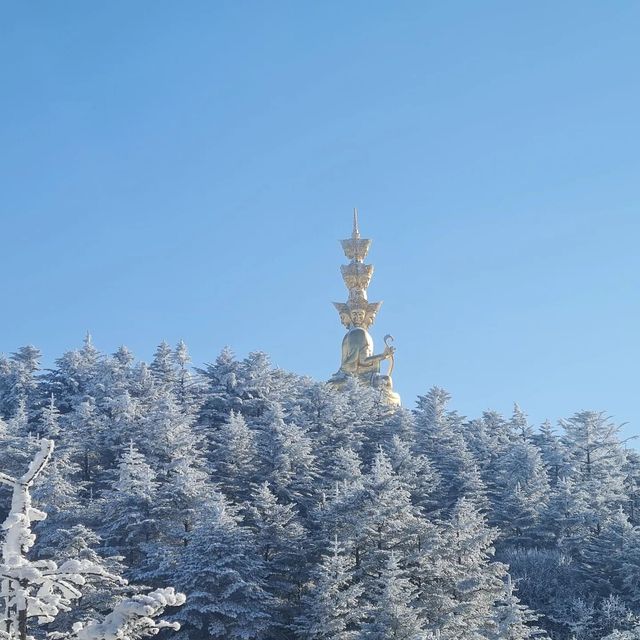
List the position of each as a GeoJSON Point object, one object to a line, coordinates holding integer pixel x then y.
{"type": "Point", "coordinates": [184, 170]}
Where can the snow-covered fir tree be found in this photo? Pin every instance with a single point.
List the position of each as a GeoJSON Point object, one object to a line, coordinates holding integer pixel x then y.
{"type": "Point", "coordinates": [279, 540]}
{"type": "Point", "coordinates": [223, 577]}
{"type": "Point", "coordinates": [330, 609]}
{"type": "Point", "coordinates": [391, 614]}
{"type": "Point", "coordinates": [129, 518]}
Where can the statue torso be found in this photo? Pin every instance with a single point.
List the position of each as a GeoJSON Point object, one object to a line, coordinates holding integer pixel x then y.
{"type": "Point", "coordinates": [357, 346]}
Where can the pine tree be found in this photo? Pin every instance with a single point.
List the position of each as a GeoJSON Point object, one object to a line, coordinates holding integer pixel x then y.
{"type": "Point", "coordinates": [610, 561]}
{"type": "Point", "coordinates": [488, 438]}
{"type": "Point", "coordinates": [182, 491]}
{"type": "Point", "coordinates": [6, 384]}
{"type": "Point", "coordinates": [60, 498]}
{"type": "Point", "coordinates": [128, 505]}
{"type": "Point", "coordinates": [319, 410]}
{"type": "Point", "coordinates": [221, 389]}
{"type": "Point", "coordinates": [87, 427]}
{"type": "Point", "coordinates": [123, 359]}
{"type": "Point", "coordinates": [279, 540]}
{"type": "Point", "coordinates": [511, 619]}
{"type": "Point", "coordinates": [186, 389]}
{"type": "Point", "coordinates": [356, 406]}
{"type": "Point", "coordinates": [174, 451]}
{"type": "Point", "coordinates": [345, 468]}
{"type": "Point", "coordinates": [234, 458]}
{"type": "Point", "coordinates": [439, 437]}
{"type": "Point", "coordinates": [387, 519]}
{"type": "Point", "coordinates": [400, 423]}
{"type": "Point", "coordinates": [597, 464]}
{"type": "Point", "coordinates": [286, 458]}
{"type": "Point", "coordinates": [16, 444]}
{"type": "Point", "coordinates": [339, 514]}
{"type": "Point", "coordinates": [169, 432]}
{"type": "Point", "coordinates": [163, 368]}
{"type": "Point", "coordinates": [521, 493]}
{"type": "Point", "coordinates": [563, 520]}
{"type": "Point", "coordinates": [331, 608]}
{"type": "Point", "coordinates": [520, 425]}
{"type": "Point", "coordinates": [19, 421]}
{"type": "Point", "coordinates": [22, 383]}
{"type": "Point", "coordinates": [472, 582]}
{"type": "Point", "coordinates": [552, 452]}
{"type": "Point", "coordinates": [392, 614]}
{"type": "Point", "coordinates": [632, 485]}
{"type": "Point", "coordinates": [78, 377]}
{"type": "Point", "coordinates": [415, 472]}
{"type": "Point", "coordinates": [122, 412]}
{"type": "Point", "coordinates": [222, 577]}
{"type": "Point", "coordinates": [49, 420]}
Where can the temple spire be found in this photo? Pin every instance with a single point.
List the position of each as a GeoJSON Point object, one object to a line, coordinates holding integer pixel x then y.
{"type": "Point", "coordinates": [356, 231]}
{"type": "Point", "coordinates": [357, 276]}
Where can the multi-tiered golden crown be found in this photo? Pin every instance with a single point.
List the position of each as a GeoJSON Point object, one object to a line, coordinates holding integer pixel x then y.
{"type": "Point", "coordinates": [357, 276]}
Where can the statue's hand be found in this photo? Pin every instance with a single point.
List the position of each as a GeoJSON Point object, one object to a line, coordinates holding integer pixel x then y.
{"type": "Point", "coordinates": [388, 351]}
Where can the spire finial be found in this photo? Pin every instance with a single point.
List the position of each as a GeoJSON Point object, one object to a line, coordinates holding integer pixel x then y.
{"type": "Point", "coordinates": [356, 231]}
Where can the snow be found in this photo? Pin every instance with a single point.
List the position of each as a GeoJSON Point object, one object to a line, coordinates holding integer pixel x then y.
{"type": "Point", "coordinates": [133, 618]}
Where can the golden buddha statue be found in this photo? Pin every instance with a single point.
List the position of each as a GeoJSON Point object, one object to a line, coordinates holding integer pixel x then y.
{"type": "Point", "coordinates": [357, 315]}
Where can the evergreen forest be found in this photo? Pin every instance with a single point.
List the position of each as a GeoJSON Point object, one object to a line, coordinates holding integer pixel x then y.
{"type": "Point", "coordinates": [286, 510]}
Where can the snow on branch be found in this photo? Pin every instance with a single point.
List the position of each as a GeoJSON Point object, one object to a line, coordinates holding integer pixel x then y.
{"type": "Point", "coordinates": [5, 479]}
{"type": "Point", "coordinates": [41, 589]}
{"type": "Point", "coordinates": [38, 463]}
{"type": "Point", "coordinates": [132, 618]}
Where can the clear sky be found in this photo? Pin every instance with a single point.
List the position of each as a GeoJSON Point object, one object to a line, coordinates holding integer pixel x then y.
{"type": "Point", "coordinates": [184, 170]}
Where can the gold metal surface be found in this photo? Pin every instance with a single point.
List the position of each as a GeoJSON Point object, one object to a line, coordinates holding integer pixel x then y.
{"type": "Point", "coordinates": [357, 314]}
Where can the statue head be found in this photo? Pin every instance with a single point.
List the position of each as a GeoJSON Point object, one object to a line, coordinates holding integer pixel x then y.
{"type": "Point", "coordinates": [357, 317]}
